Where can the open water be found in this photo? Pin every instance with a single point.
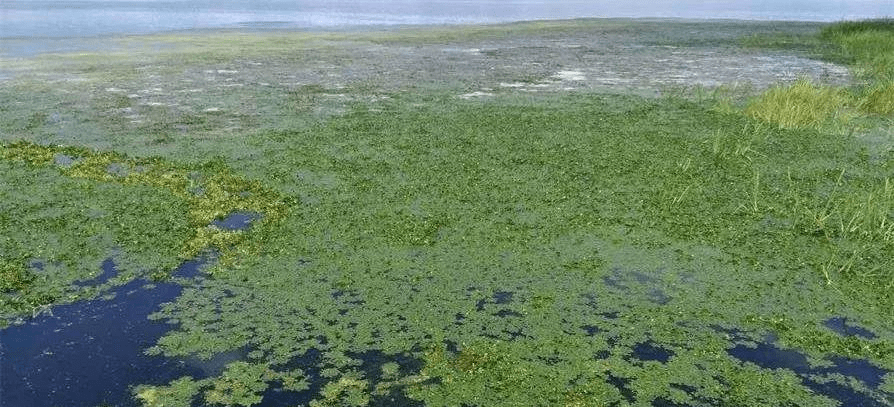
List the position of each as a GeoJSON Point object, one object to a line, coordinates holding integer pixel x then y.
{"type": "Point", "coordinates": [79, 18]}
{"type": "Point", "coordinates": [30, 27]}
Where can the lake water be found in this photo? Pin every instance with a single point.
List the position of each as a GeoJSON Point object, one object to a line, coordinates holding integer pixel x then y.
{"type": "Point", "coordinates": [79, 18]}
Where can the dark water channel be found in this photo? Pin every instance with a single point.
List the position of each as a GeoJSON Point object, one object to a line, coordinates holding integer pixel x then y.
{"type": "Point", "coordinates": [88, 353]}
{"type": "Point", "coordinates": [768, 355]}
{"type": "Point", "coordinates": [237, 221]}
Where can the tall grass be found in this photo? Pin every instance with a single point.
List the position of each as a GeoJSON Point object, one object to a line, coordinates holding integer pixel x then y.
{"type": "Point", "coordinates": [868, 46]}
{"type": "Point", "coordinates": [802, 104]}
{"type": "Point", "coordinates": [878, 98]}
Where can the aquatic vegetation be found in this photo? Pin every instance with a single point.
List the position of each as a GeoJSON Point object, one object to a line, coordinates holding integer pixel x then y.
{"type": "Point", "coordinates": [179, 392]}
{"type": "Point", "coordinates": [13, 276]}
{"type": "Point", "coordinates": [561, 248]}
{"type": "Point", "coordinates": [241, 384]}
{"type": "Point", "coordinates": [88, 190]}
{"type": "Point", "coordinates": [209, 191]}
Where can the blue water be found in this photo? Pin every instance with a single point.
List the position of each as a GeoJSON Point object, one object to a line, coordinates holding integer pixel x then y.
{"type": "Point", "coordinates": [237, 221]}
{"type": "Point", "coordinates": [91, 352]}
{"type": "Point", "coordinates": [79, 18]}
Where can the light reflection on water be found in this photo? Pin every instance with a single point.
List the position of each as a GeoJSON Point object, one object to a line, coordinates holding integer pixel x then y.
{"type": "Point", "coordinates": [31, 27]}
{"type": "Point", "coordinates": [66, 18]}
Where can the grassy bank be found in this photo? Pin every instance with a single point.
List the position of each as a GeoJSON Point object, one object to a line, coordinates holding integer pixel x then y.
{"type": "Point", "coordinates": [867, 47]}
{"type": "Point", "coordinates": [504, 248]}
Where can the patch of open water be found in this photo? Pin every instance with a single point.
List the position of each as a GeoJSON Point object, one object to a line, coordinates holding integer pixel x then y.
{"type": "Point", "coordinates": [817, 378]}
{"type": "Point", "coordinates": [91, 353]}
{"type": "Point", "coordinates": [237, 221]}
{"type": "Point", "coordinates": [88, 353]}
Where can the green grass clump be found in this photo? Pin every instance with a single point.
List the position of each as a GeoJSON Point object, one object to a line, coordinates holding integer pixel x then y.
{"type": "Point", "coordinates": [802, 104]}
{"type": "Point", "coordinates": [878, 98]}
{"type": "Point", "coordinates": [868, 46]}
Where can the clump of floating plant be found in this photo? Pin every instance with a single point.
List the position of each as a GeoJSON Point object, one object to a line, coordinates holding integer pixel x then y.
{"type": "Point", "coordinates": [500, 373]}
{"type": "Point", "coordinates": [13, 276]}
{"type": "Point", "coordinates": [210, 191]}
{"type": "Point", "coordinates": [346, 391]}
{"type": "Point", "coordinates": [241, 384]}
{"type": "Point", "coordinates": [179, 392]}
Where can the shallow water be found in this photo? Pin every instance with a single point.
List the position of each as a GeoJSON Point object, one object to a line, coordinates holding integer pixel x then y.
{"type": "Point", "coordinates": [31, 27]}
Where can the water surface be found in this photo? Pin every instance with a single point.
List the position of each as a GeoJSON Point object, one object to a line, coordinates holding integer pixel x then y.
{"type": "Point", "coordinates": [78, 18]}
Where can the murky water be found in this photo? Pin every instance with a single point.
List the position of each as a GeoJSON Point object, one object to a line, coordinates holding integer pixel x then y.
{"type": "Point", "coordinates": [30, 27]}
{"type": "Point", "coordinates": [818, 379]}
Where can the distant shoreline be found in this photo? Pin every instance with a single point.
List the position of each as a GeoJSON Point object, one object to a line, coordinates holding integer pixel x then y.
{"type": "Point", "coordinates": [26, 47]}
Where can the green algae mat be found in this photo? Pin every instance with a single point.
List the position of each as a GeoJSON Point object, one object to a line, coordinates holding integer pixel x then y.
{"type": "Point", "coordinates": [418, 247]}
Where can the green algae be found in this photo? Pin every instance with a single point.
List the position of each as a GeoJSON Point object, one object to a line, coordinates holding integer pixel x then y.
{"type": "Point", "coordinates": [512, 251]}
{"type": "Point", "coordinates": [239, 385]}
{"type": "Point", "coordinates": [67, 209]}
{"type": "Point", "coordinates": [563, 207]}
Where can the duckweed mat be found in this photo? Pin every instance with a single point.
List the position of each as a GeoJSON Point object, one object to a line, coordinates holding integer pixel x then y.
{"type": "Point", "coordinates": [447, 242]}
